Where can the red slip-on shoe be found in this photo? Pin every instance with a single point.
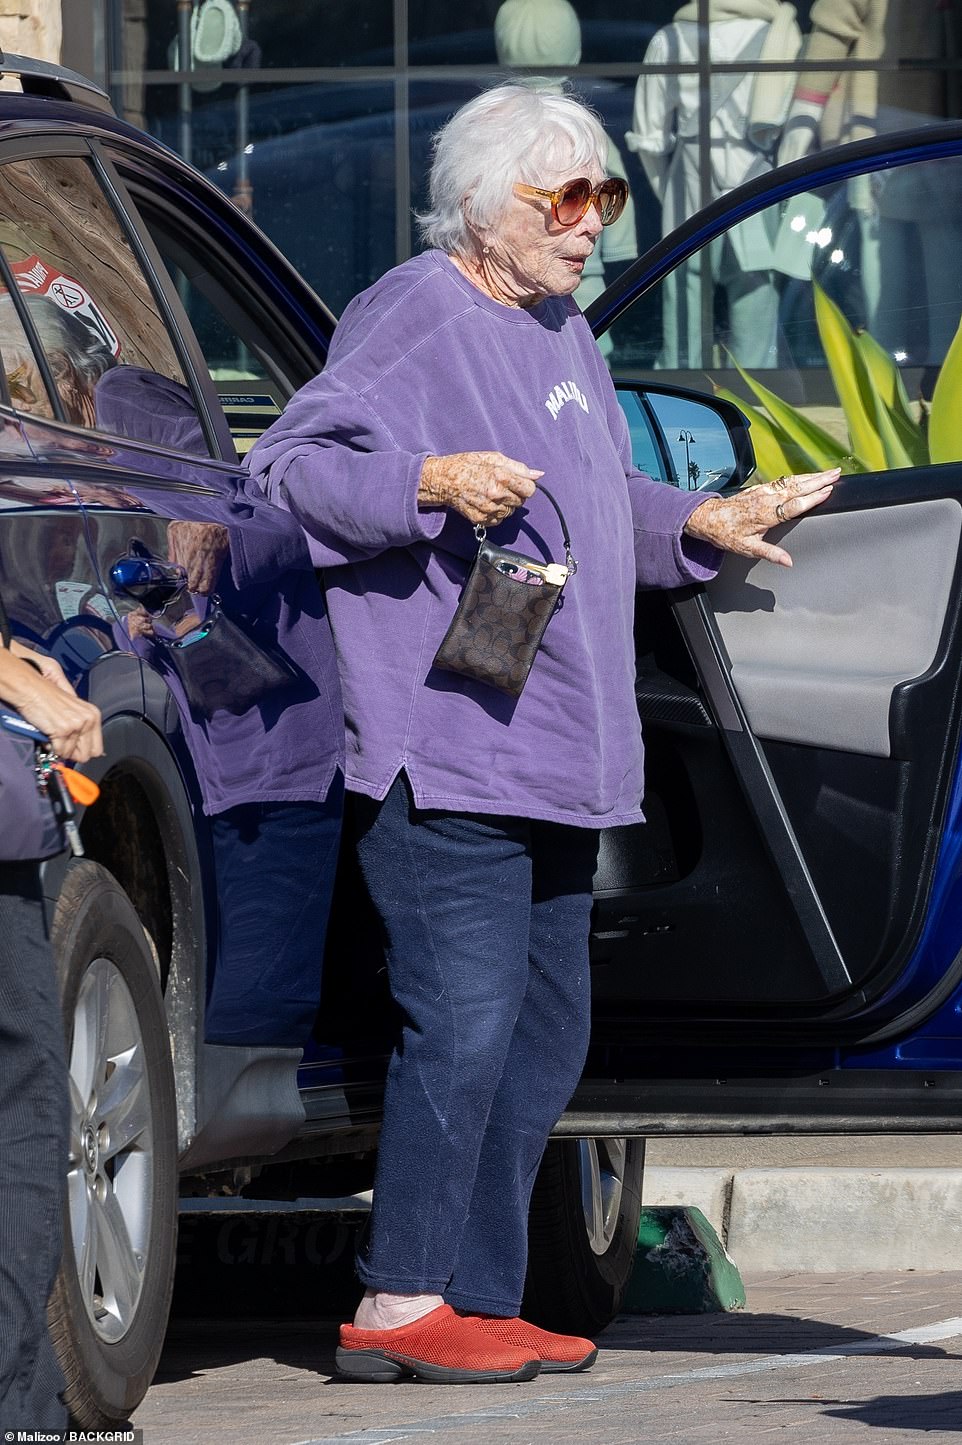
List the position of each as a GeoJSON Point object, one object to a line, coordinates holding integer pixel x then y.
{"type": "Point", "coordinates": [442, 1347]}
{"type": "Point", "coordinates": [558, 1354]}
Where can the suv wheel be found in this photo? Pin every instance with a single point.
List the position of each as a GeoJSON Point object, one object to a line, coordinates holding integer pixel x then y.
{"type": "Point", "coordinates": [583, 1232]}
{"type": "Point", "coordinates": [108, 1309]}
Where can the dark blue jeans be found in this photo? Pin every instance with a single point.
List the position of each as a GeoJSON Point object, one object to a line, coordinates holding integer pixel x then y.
{"type": "Point", "coordinates": [486, 933]}
{"type": "Point", "coordinates": [33, 1155]}
{"type": "Point", "coordinates": [275, 866]}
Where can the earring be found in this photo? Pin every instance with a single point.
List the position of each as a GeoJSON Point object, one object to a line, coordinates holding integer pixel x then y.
{"type": "Point", "coordinates": [485, 250]}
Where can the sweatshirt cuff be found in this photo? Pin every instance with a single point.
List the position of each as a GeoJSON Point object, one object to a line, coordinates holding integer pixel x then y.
{"type": "Point", "coordinates": [424, 523]}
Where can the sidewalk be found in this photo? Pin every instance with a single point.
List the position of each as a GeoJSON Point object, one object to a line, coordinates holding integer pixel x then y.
{"type": "Point", "coordinates": [820, 1203]}
{"type": "Point", "coordinates": [841, 1359]}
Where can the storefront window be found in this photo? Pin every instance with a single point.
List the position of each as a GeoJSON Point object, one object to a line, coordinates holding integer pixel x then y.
{"type": "Point", "coordinates": [315, 167]}
{"type": "Point", "coordinates": [696, 99]}
{"type": "Point", "coordinates": [256, 34]}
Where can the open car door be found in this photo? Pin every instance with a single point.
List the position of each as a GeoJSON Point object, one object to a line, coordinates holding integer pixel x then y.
{"type": "Point", "coordinates": [779, 944]}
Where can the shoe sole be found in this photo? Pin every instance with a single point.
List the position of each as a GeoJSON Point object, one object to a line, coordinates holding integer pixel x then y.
{"type": "Point", "coordinates": [382, 1367]}
{"type": "Point", "coordinates": [560, 1367]}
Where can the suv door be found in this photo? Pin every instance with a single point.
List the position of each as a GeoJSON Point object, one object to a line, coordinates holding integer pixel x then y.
{"type": "Point", "coordinates": [119, 471]}
{"type": "Point", "coordinates": [788, 915]}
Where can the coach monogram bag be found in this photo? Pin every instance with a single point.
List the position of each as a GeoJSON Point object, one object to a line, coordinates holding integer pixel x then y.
{"type": "Point", "coordinates": [507, 603]}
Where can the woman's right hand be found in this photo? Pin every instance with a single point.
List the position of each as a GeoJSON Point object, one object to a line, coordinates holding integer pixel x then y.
{"type": "Point", "coordinates": [73, 726]}
{"type": "Point", "coordinates": [485, 487]}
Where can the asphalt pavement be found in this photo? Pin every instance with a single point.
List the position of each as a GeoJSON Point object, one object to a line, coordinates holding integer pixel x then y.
{"type": "Point", "coordinates": [873, 1358]}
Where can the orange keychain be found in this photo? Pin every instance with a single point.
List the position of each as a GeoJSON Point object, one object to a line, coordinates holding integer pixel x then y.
{"type": "Point", "coordinates": [82, 789]}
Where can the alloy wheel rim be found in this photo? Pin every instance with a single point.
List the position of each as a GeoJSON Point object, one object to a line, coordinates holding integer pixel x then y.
{"type": "Point", "coordinates": [601, 1164]}
{"type": "Point", "coordinates": [111, 1164]}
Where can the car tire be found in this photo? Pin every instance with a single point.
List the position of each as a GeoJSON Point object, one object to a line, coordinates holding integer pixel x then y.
{"type": "Point", "coordinates": [583, 1232]}
{"type": "Point", "coordinates": [109, 1306]}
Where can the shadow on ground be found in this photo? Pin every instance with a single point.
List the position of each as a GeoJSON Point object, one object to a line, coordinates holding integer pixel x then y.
{"type": "Point", "coordinates": [942, 1412]}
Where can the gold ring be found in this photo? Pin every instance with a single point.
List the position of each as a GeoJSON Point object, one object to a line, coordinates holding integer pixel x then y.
{"type": "Point", "coordinates": [780, 483]}
{"type": "Point", "coordinates": [780, 512]}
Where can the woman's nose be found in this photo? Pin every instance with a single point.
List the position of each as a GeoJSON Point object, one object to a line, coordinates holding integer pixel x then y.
{"type": "Point", "coordinates": [591, 220]}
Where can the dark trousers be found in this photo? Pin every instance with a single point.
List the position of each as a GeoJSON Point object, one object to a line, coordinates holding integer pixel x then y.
{"type": "Point", "coordinates": [275, 865]}
{"type": "Point", "coordinates": [33, 1155]}
{"type": "Point", "coordinates": [486, 924]}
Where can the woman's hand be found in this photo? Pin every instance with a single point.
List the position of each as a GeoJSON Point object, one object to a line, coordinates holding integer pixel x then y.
{"type": "Point", "coordinates": [73, 726]}
{"type": "Point", "coordinates": [48, 667]}
{"type": "Point", "coordinates": [200, 548]}
{"type": "Point", "coordinates": [739, 523]}
{"type": "Point", "coordinates": [485, 487]}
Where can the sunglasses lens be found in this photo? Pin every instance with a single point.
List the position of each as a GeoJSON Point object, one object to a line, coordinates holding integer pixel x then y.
{"type": "Point", "coordinates": [612, 196]}
{"type": "Point", "coordinates": [573, 202]}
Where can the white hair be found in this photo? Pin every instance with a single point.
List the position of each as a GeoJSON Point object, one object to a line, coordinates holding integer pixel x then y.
{"type": "Point", "coordinates": [513, 132]}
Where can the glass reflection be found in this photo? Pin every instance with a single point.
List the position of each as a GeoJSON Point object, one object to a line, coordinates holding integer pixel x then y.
{"type": "Point", "coordinates": [217, 595]}
{"type": "Point", "coordinates": [89, 304]}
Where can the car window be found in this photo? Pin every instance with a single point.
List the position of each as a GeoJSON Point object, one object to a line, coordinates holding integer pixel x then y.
{"type": "Point", "coordinates": [249, 389]}
{"type": "Point", "coordinates": [832, 319]}
{"type": "Point", "coordinates": [249, 370]}
{"type": "Point", "coordinates": [91, 308]}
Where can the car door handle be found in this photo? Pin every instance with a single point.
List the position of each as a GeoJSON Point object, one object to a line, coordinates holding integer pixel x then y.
{"type": "Point", "coordinates": [152, 583]}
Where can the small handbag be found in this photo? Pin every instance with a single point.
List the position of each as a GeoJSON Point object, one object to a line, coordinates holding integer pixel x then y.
{"type": "Point", "coordinates": [507, 602]}
{"type": "Point", "coordinates": [221, 669]}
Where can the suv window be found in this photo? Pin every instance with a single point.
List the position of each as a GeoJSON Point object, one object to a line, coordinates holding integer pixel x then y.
{"type": "Point", "coordinates": [233, 348]}
{"type": "Point", "coordinates": [249, 371]}
{"type": "Point", "coordinates": [91, 308]}
{"type": "Point", "coordinates": [832, 318]}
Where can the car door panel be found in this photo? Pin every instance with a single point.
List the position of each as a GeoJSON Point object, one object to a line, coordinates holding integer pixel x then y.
{"type": "Point", "coordinates": [802, 730]}
{"type": "Point", "coordinates": [817, 651]}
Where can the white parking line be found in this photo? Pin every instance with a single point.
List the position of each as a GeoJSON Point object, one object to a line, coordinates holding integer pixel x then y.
{"type": "Point", "coordinates": [548, 1404]}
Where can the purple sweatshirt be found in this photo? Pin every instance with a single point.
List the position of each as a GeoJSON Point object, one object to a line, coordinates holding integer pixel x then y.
{"type": "Point", "coordinates": [424, 363]}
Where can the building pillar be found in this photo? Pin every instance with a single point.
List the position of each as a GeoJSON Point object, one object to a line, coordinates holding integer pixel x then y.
{"type": "Point", "coordinates": [31, 27]}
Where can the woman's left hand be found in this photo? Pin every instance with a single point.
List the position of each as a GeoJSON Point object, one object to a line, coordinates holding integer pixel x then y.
{"type": "Point", "coordinates": [739, 523]}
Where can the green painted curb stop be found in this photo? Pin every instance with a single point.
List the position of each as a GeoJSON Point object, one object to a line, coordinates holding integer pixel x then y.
{"type": "Point", "coordinates": [681, 1267]}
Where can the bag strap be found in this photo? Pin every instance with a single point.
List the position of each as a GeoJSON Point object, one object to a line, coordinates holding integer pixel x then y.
{"type": "Point", "coordinates": [481, 531]}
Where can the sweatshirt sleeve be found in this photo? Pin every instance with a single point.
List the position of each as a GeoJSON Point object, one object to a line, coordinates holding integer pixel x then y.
{"type": "Point", "coordinates": [664, 555]}
{"type": "Point", "coordinates": [271, 546]}
{"type": "Point", "coordinates": [332, 462]}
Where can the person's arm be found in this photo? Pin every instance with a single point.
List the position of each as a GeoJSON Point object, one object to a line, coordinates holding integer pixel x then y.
{"type": "Point", "coordinates": [72, 725]}
{"type": "Point", "coordinates": [664, 555]}
{"type": "Point", "coordinates": [334, 464]}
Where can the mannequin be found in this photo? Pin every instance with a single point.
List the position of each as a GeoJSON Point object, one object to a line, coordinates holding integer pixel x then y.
{"type": "Point", "coordinates": [548, 32]}
{"type": "Point", "coordinates": [746, 117]}
{"type": "Point", "coordinates": [910, 221]}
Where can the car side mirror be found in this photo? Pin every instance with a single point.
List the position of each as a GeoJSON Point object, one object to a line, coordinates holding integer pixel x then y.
{"type": "Point", "coordinates": [689, 440]}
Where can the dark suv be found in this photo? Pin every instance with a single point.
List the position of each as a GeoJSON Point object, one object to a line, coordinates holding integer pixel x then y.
{"type": "Point", "coordinates": [778, 948]}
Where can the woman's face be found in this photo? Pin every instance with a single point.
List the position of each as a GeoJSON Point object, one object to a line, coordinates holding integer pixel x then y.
{"type": "Point", "coordinates": [533, 255]}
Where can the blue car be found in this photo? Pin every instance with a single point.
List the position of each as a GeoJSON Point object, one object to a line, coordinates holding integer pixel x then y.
{"type": "Point", "coordinates": [778, 948]}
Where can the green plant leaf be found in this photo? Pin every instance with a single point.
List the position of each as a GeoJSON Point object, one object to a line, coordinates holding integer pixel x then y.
{"type": "Point", "coordinates": [885, 375]}
{"type": "Point", "coordinates": [891, 395]}
{"type": "Point", "coordinates": [944, 429]}
{"type": "Point", "coordinates": [776, 455]}
{"type": "Point", "coordinates": [818, 444]}
{"type": "Point", "coordinates": [852, 381]}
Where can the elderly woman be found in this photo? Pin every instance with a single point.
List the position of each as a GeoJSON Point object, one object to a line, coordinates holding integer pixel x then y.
{"type": "Point", "coordinates": [454, 385]}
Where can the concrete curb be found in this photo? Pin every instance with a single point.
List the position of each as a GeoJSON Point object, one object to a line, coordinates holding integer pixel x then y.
{"type": "Point", "coordinates": [824, 1219]}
